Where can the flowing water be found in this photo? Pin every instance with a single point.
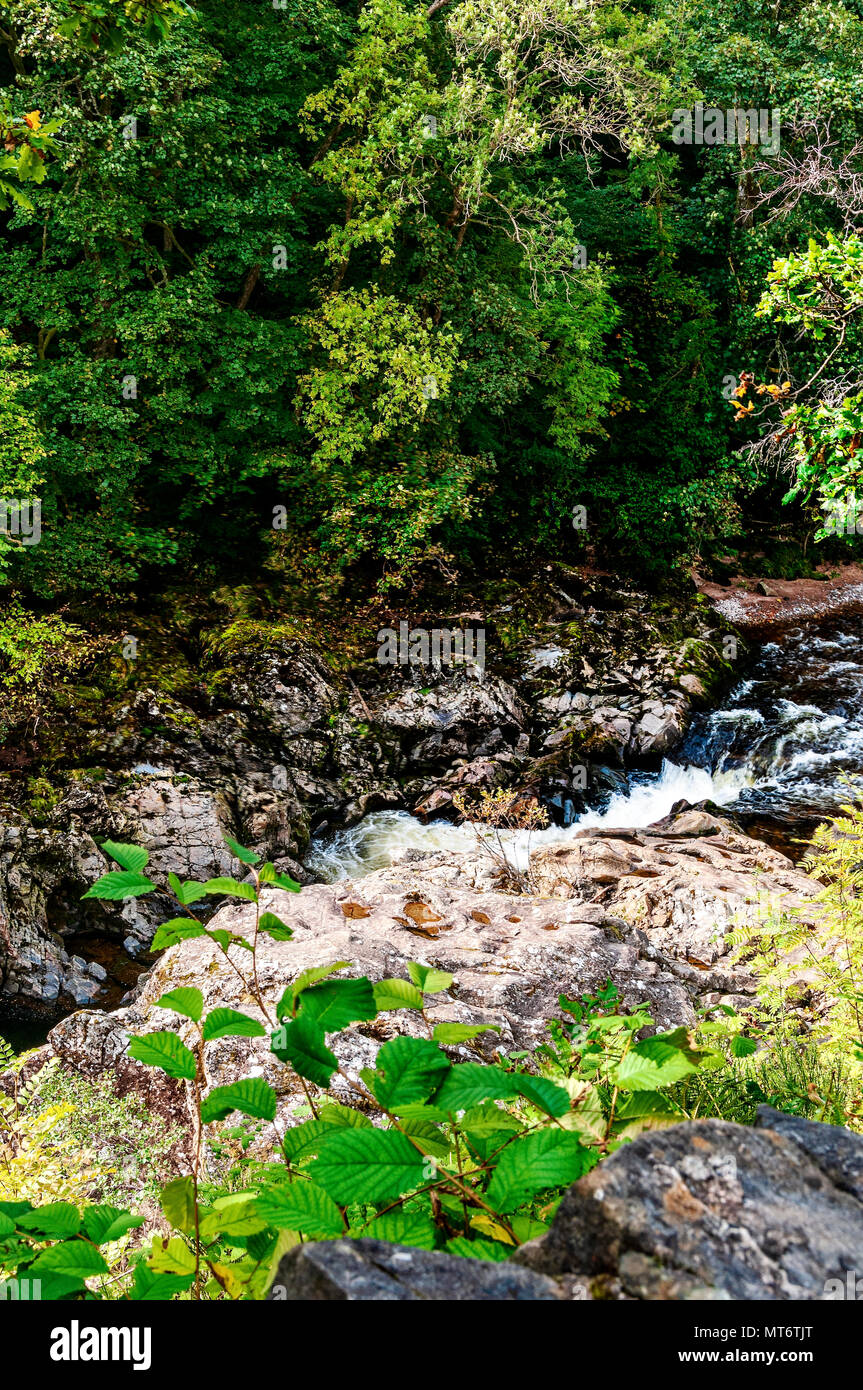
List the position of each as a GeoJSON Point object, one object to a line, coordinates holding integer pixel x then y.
{"type": "Point", "coordinates": [774, 754]}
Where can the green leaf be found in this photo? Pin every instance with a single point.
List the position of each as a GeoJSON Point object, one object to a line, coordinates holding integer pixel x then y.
{"type": "Point", "coordinates": [164, 1050]}
{"type": "Point", "coordinates": [450, 1033]}
{"type": "Point", "coordinates": [742, 1047]}
{"type": "Point", "coordinates": [269, 874]}
{"type": "Point", "coordinates": [245, 856]}
{"type": "Point", "coordinates": [336, 1003]}
{"type": "Point", "coordinates": [302, 1043]}
{"type": "Point", "coordinates": [660, 1061]}
{"type": "Point", "coordinates": [469, 1083]}
{"type": "Point", "coordinates": [274, 927]}
{"type": "Point", "coordinates": [232, 888]}
{"type": "Point", "coordinates": [335, 1114]}
{"type": "Point", "coordinates": [301, 1206]}
{"type": "Point", "coordinates": [402, 1228]}
{"type": "Point", "coordinates": [288, 1000]}
{"type": "Point", "coordinates": [478, 1249]}
{"type": "Point", "coordinates": [104, 1223]}
{"type": "Point", "coordinates": [307, 1138]}
{"type": "Point", "coordinates": [117, 885]}
{"type": "Point", "coordinates": [177, 1200]}
{"type": "Point", "coordinates": [151, 1287]}
{"type": "Point", "coordinates": [188, 892]}
{"type": "Point", "coordinates": [252, 1096]}
{"type": "Point", "coordinates": [229, 1023]}
{"type": "Point", "coordinates": [56, 1220]}
{"type": "Point", "coordinates": [407, 1070]}
{"type": "Point", "coordinates": [171, 1257]}
{"type": "Point", "coordinates": [548, 1158]}
{"type": "Point", "coordinates": [428, 980]}
{"type": "Point", "coordinates": [397, 994]}
{"type": "Point", "coordinates": [132, 857]}
{"type": "Point", "coordinates": [178, 929]}
{"type": "Point", "coordinates": [542, 1093]}
{"type": "Point", "coordinates": [77, 1258]}
{"type": "Point", "coordinates": [186, 1001]}
{"type": "Point", "coordinates": [367, 1165]}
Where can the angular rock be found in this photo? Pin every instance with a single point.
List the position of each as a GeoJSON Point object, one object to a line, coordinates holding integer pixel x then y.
{"type": "Point", "coordinates": [377, 1271]}
{"type": "Point", "coordinates": [709, 1210]}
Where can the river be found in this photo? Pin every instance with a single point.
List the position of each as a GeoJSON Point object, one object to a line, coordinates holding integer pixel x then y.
{"type": "Point", "coordinates": [774, 755]}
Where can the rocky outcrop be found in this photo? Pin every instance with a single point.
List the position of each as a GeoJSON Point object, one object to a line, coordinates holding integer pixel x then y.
{"type": "Point", "coordinates": [685, 881]}
{"type": "Point", "coordinates": [715, 1210]}
{"type": "Point", "coordinates": [511, 957]}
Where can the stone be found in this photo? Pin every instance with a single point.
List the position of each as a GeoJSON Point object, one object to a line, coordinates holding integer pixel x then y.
{"type": "Point", "coordinates": [509, 966]}
{"type": "Point", "coordinates": [713, 1210]}
{"type": "Point", "coordinates": [377, 1271]}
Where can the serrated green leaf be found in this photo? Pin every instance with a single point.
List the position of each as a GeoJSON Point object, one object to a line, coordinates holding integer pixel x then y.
{"type": "Point", "coordinates": [307, 1138]}
{"type": "Point", "coordinates": [185, 1000]}
{"type": "Point", "coordinates": [232, 888]}
{"type": "Point", "coordinates": [252, 1096]}
{"type": "Point", "coordinates": [132, 857]}
{"type": "Point", "coordinates": [469, 1083]}
{"type": "Point", "coordinates": [301, 1206]}
{"type": "Point", "coordinates": [742, 1047]}
{"type": "Point", "coordinates": [55, 1220]}
{"type": "Point", "coordinates": [302, 1043]}
{"type": "Point", "coordinates": [397, 994]}
{"type": "Point", "coordinates": [104, 1223]}
{"type": "Point", "coordinates": [402, 1228]}
{"type": "Point", "coordinates": [151, 1287]}
{"type": "Point", "coordinates": [344, 1115]}
{"type": "Point", "coordinates": [188, 892]}
{"type": "Point", "coordinates": [178, 929]}
{"type": "Point", "coordinates": [478, 1249]}
{"type": "Point", "coordinates": [274, 927]}
{"type": "Point", "coordinates": [285, 1006]}
{"type": "Point", "coordinates": [367, 1165]}
{"type": "Point", "coordinates": [270, 874]}
{"type": "Point", "coordinates": [544, 1094]}
{"type": "Point", "coordinates": [166, 1051]}
{"type": "Point", "coordinates": [536, 1162]}
{"type": "Point", "coordinates": [229, 1023]}
{"type": "Point", "coordinates": [660, 1061]}
{"type": "Point", "coordinates": [77, 1258]}
{"type": "Point", "coordinates": [407, 1070]}
{"type": "Point", "coordinates": [119, 884]}
{"type": "Point", "coordinates": [334, 1004]}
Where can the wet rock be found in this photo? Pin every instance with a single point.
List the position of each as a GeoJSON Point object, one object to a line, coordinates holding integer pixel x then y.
{"type": "Point", "coordinates": [377, 1271]}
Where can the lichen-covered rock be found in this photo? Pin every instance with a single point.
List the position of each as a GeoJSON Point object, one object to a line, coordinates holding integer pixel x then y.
{"type": "Point", "coordinates": [377, 1271]}
{"type": "Point", "coordinates": [714, 1209]}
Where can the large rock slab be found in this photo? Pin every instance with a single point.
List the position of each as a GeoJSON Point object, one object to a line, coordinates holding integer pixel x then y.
{"type": "Point", "coordinates": [685, 881]}
{"type": "Point", "coordinates": [715, 1210]}
{"type": "Point", "coordinates": [511, 956]}
{"type": "Point", "coordinates": [377, 1271]}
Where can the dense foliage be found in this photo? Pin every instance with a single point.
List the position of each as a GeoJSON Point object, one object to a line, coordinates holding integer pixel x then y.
{"type": "Point", "coordinates": [410, 281]}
